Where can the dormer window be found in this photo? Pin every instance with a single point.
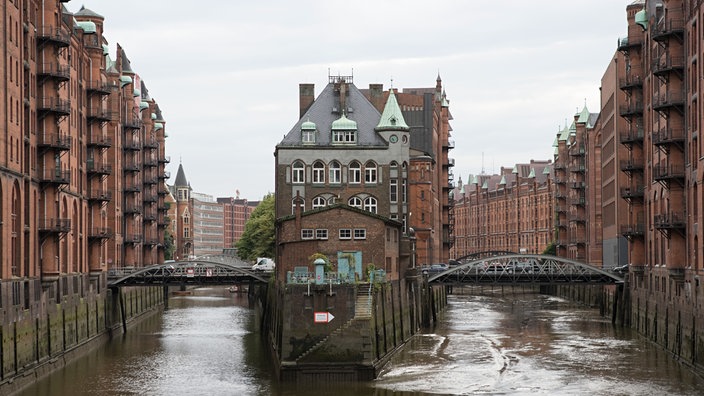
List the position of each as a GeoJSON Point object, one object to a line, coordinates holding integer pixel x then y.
{"type": "Point", "coordinates": [308, 130]}
{"type": "Point", "coordinates": [344, 131]}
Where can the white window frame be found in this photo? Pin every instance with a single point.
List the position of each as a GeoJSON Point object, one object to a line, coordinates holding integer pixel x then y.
{"type": "Point", "coordinates": [370, 173]}
{"type": "Point", "coordinates": [345, 233]}
{"type": "Point", "coordinates": [370, 204]}
{"type": "Point", "coordinates": [393, 190]}
{"type": "Point", "coordinates": [293, 205]}
{"type": "Point", "coordinates": [307, 233]}
{"type": "Point", "coordinates": [308, 136]}
{"type": "Point", "coordinates": [298, 172]}
{"type": "Point", "coordinates": [319, 202]}
{"type": "Point", "coordinates": [356, 202]}
{"type": "Point", "coordinates": [360, 233]}
{"type": "Point", "coordinates": [355, 171]}
{"type": "Point", "coordinates": [318, 172]}
{"type": "Point", "coordinates": [321, 233]}
{"type": "Point", "coordinates": [335, 172]}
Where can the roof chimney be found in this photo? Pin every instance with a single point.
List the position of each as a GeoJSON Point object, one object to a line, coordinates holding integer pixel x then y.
{"type": "Point", "coordinates": [306, 97]}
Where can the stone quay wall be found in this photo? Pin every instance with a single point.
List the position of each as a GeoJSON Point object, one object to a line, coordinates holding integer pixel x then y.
{"type": "Point", "coordinates": [44, 328]}
{"type": "Point", "coordinates": [371, 322]}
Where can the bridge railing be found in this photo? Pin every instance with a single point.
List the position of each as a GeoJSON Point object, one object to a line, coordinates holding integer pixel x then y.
{"type": "Point", "coordinates": [522, 269]}
{"type": "Point", "coordinates": [299, 277]}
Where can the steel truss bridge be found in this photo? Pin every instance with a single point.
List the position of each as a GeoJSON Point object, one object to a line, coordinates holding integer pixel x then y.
{"type": "Point", "coordinates": [523, 269]}
{"type": "Point", "coordinates": [214, 271]}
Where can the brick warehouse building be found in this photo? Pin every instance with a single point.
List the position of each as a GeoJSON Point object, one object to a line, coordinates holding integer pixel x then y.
{"type": "Point", "coordinates": [430, 175]}
{"type": "Point", "coordinates": [340, 152]}
{"type": "Point", "coordinates": [512, 211]}
{"type": "Point", "coordinates": [329, 158]}
{"type": "Point", "coordinates": [84, 157]}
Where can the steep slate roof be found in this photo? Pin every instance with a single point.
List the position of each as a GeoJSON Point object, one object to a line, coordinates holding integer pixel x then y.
{"type": "Point", "coordinates": [126, 66]}
{"type": "Point", "coordinates": [320, 112]}
{"type": "Point", "coordinates": [180, 177]}
{"type": "Point", "coordinates": [89, 13]}
{"type": "Point", "coordinates": [392, 118]}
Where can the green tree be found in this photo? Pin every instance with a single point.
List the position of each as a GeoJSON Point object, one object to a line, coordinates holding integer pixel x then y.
{"type": "Point", "coordinates": [550, 249]}
{"type": "Point", "coordinates": [169, 246]}
{"type": "Point", "coordinates": [258, 237]}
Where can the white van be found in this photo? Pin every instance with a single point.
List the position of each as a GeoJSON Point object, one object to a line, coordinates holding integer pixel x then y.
{"type": "Point", "coordinates": [264, 265]}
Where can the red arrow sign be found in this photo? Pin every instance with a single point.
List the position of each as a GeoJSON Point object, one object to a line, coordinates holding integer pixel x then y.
{"type": "Point", "coordinates": [322, 317]}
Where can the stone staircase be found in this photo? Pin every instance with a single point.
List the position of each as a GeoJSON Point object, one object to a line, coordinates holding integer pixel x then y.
{"type": "Point", "coordinates": [363, 305]}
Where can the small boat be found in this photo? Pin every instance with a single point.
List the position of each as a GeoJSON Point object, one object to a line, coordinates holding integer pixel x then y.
{"type": "Point", "coordinates": [233, 289]}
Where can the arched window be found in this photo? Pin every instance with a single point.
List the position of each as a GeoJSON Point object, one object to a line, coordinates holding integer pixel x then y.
{"type": "Point", "coordinates": [370, 204]}
{"type": "Point", "coordinates": [355, 202]}
{"type": "Point", "coordinates": [335, 170]}
{"type": "Point", "coordinates": [318, 172]}
{"type": "Point", "coordinates": [370, 172]}
{"type": "Point", "coordinates": [300, 201]}
{"type": "Point", "coordinates": [319, 202]}
{"type": "Point", "coordinates": [355, 173]}
{"type": "Point", "coordinates": [298, 173]}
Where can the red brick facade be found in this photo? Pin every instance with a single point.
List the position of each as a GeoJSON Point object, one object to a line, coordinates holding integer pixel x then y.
{"type": "Point", "coordinates": [84, 150]}
{"type": "Point", "coordinates": [512, 211]}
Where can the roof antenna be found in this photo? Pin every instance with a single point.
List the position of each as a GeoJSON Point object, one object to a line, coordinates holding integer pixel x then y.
{"type": "Point", "coordinates": [482, 162]}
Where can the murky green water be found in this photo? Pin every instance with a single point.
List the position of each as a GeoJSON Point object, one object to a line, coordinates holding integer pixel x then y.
{"type": "Point", "coordinates": [205, 344]}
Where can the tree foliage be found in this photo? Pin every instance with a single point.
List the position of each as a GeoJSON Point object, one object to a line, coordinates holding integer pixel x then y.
{"type": "Point", "coordinates": [550, 249]}
{"type": "Point", "coordinates": [258, 237]}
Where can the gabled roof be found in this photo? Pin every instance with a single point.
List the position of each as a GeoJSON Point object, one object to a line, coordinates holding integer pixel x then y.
{"type": "Point", "coordinates": [324, 111]}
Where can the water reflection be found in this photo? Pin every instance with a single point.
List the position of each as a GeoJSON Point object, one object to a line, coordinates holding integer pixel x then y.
{"type": "Point", "coordinates": [206, 344]}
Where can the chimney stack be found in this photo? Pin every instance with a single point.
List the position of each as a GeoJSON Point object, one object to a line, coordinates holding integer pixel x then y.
{"type": "Point", "coordinates": [306, 97]}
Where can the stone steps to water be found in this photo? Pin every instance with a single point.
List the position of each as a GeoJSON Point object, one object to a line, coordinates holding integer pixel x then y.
{"type": "Point", "coordinates": [362, 310]}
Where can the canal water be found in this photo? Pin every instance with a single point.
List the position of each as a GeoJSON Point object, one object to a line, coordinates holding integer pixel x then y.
{"type": "Point", "coordinates": [491, 344]}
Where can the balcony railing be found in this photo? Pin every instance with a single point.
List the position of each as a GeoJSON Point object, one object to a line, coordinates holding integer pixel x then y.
{"type": "Point", "coordinates": [666, 100]}
{"type": "Point", "coordinates": [165, 160]}
{"type": "Point", "coordinates": [133, 238]}
{"type": "Point", "coordinates": [99, 140]}
{"type": "Point", "coordinates": [578, 185]}
{"type": "Point", "coordinates": [99, 115]}
{"type": "Point", "coordinates": [668, 136]}
{"type": "Point", "coordinates": [150, 143]}
{"type": "Point", "coordinates": [54, 105]}
{"type": "Point", "coordinates": [631, 109]}
{"type": "Point", "coordinates": [132, 122]}
{"type": "Point", "coordinates": [630, 165]}
{"type": "Point", "coordinates": [632, 135]}
{"type": "Point", "coordinates": [60, 37]}
{"type": "Point", "coordinates": [131, 144]}
{"type": "Point", "coordinates": [54, 70]}
{"type": "Point", "coordinates": [633, 230]}
{"type": "Point", "coordinates": [579, 201]}
{"type": "Point", "coordinates": [578, 150]}
{"type": "Point", "coordinates": [669, 26]}
{"type": "Point", "coordinates": [54, 225]}
{"type": "Point", "coordinates": [100, 232]}
{"type": "Point", "coordinates": [132, 166]}
{"type": "Point", "coordinates": [54, 141]}
{"type": "Point", "coordinates": [630, 81]}
{"type": "Point", "coordinates": [100, 195]}
{"type": "Point", "coordinates": [133, 189]}
{"type": "Point", "coordinates": [133, 209]}
{"type": "Point", "coordinates": [102, 88]}
{"type": "Point", "coordinates": [671, 220]}
{"type": "Point", "coordinates": [668, 172]}
{"type": "Point", "coordinates": [626, 43]}
{"type": "Point", "coordinates": [632, 192]}
{"type": "Point", "coordinates": [56, 176]}
{"type": "Point", "coordinates": [98, 168]}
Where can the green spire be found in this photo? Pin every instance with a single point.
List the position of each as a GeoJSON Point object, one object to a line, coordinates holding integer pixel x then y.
{"type": "Point", "coordinates": [392, 118]}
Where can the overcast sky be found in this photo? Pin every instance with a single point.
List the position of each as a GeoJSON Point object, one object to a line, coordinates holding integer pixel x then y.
{"type": "Point", "coordinates": [226, 73]}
